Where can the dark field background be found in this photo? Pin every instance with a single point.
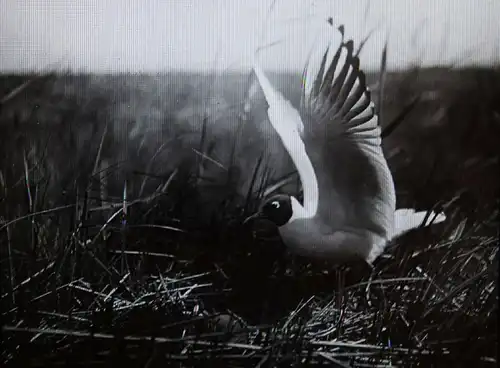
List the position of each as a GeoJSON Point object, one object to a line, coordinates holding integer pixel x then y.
{"type": "Point", "coordinates": [121, 202]}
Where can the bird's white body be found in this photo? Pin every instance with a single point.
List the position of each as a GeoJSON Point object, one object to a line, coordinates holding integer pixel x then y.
{"type": "Point", "coordinates": [349, 206]}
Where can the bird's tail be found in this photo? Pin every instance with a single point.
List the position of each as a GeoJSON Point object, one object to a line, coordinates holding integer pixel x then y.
{"type": "Point", "coordinates": [406, 219]}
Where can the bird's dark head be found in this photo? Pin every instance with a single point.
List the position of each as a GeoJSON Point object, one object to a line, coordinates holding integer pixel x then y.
{"type": "Point", "coordinates": [277, 209]}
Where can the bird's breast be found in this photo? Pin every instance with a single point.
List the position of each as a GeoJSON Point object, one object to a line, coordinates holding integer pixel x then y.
{"type": "Point", "coordinates": [313, 239]}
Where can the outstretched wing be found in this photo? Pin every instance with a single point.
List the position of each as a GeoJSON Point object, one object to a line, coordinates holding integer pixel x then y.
{"type": "Point", "coordinates": [335, 96]}
{"type": "Point", "coordinates": [342, 137]}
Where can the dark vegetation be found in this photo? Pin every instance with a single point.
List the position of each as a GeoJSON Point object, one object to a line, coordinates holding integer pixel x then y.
{"type": "Point", "coordinates": [121, 203]}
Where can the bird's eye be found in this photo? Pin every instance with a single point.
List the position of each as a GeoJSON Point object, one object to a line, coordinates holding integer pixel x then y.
{"type": "Point", "coordinates": [275, 204]}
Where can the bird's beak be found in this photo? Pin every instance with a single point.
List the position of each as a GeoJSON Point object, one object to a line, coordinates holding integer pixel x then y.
{"type": "Point", "coordinates": [254, 217]}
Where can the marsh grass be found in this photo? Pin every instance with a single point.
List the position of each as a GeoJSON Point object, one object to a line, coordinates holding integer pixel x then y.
{"type": "Point", "coordinates": [148, 269]}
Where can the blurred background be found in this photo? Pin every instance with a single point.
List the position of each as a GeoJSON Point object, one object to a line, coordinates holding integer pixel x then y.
{"type": "Point", "coordinates": [114, 35]}
{"type": "Point", "coordinates": [135, 84]}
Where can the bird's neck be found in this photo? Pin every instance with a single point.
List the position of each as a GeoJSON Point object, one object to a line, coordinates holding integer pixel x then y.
{"type": "Point", "coordinates": [298, 211]}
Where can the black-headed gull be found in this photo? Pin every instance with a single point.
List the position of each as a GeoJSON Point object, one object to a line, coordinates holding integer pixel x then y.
{"type": "Point", "coordinates": [349, 206]}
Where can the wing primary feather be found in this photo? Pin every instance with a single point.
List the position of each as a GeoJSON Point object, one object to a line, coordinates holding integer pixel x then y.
{"type": "Point", "coordinates": [360, 121]}
{"type": "Point", "coordinates": [330, 73]}
{"type": "Point", "coordinates": [341, 30]}
{"type": "Point", "coordinates": [347, 87]}
{"type": "Point", "coordinates": [319, 81]}
{"type": "Point", "coordinates": [343, 98]}
{"type": "Point", "coordinates": [306, 94]}
{"type": "Point", "coordinates": [358, 93]}
{"type": "Point", "coordinates": [303, 95]}
{"type": "Point", "coordinates": [351, 102]}
{"type": "Point", "coordinates": [356, 110]}
{"type": "Point", "coordinates": [340, 80]}
{"type": "Point", "coordinates": [323, 80]}
{"type": "Point", "coordinates": [328, 79]}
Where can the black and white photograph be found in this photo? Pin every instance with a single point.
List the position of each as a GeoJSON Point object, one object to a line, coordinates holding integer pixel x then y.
{"type": "Point", "coordinates": [236, 183]}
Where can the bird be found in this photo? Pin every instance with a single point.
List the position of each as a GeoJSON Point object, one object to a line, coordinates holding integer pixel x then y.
{"type": "Point", "coordinates": [334, 140]}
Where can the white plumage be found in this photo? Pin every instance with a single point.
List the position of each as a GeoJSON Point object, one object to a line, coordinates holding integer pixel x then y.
{"type": "Point", "coordinates": [334, 141]}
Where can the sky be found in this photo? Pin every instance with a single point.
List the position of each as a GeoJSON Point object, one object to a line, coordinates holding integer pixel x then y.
{"type": "Point", "coordinates": [205, 35]}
